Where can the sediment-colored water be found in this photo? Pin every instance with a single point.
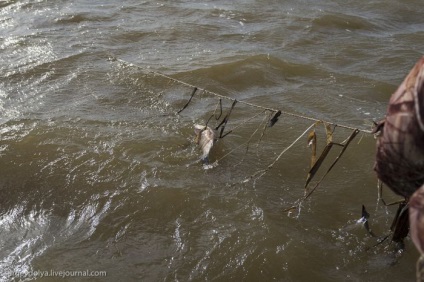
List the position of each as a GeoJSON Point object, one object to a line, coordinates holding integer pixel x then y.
{"type": "Point", "coordinates": [98, 173]}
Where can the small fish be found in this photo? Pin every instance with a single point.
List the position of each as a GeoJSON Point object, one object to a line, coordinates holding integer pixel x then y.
{"type": "Point", "coordinates": [205, 138]}
{"type": "Point", "coordinates": [364, 220]}
{"type": "Point", "coordinates": [274, 119]}
{"type": "Point", "coordinates": [365, 216]}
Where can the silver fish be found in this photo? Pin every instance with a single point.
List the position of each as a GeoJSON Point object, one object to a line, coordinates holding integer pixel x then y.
{"type": "Point", "coordinates": [205, 138]}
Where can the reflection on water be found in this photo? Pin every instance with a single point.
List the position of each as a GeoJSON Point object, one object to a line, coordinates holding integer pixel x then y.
{"type": "Point", "coordinates": [99, 173]}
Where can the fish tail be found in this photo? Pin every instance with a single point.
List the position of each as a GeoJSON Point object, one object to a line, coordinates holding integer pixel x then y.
{"type": "Point", "coordinates": [205, 160]}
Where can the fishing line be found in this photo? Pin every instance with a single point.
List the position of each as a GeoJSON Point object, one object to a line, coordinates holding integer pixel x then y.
{"type": "Point", "coordinates": [277, 112]}
{"type": "Point", "coordinates": [272, 117]}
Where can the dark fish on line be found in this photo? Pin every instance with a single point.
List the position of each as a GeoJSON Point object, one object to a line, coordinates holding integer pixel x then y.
{"type": "Point", "coordinates": [364, 220]}
{"type": "Point", "coordinates": [205, 138]}
{"type": "Point", "coordinates": [274, 119]}
{"type": "Point", "coordinates": [365, 215]}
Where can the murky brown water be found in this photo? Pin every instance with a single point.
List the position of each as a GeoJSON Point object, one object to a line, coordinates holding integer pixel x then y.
{"type": "Point", "coordinates": [98, 173]}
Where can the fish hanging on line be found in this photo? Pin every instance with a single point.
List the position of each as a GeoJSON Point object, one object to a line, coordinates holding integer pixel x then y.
{"type": "Point", "coordinates": [205, 138]}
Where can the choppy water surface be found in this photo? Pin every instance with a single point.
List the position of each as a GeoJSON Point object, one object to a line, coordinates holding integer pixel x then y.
{"type": "Point", "coordinates": [99, 173]}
